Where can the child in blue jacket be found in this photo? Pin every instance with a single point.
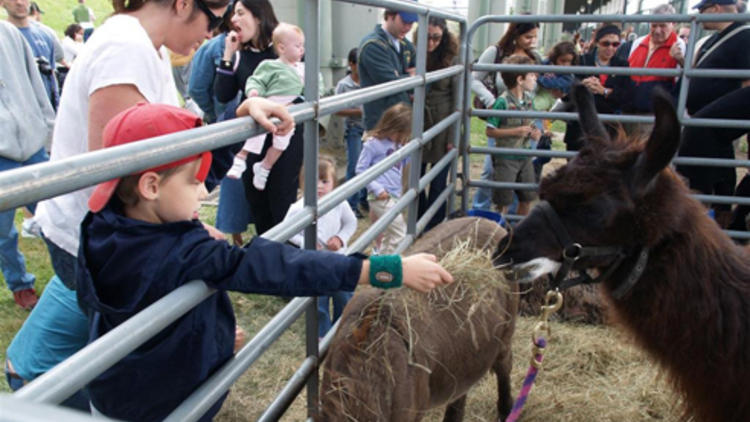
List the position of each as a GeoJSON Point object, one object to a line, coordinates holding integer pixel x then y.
{"type": "Point", "coordinates": [143, 240]}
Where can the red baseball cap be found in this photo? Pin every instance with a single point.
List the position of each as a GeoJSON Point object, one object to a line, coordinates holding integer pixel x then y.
{"type": "Point", "coordinates": [143, 121]}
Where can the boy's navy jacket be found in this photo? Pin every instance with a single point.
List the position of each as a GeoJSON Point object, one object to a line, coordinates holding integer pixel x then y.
{"type": "Point", "coordinates": [125, 265]}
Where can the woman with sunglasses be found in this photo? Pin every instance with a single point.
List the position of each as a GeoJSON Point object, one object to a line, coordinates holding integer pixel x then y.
{"type": "Point", "coordinates": [612, 93]}
{"type": "Point", "coordinates": [442, 52]}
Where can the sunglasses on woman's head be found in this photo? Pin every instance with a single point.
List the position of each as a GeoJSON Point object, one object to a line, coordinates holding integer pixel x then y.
{"type": "Point", "coordinates": [606, 44]}
{"type": "Point", "coordinates": [213, 20]}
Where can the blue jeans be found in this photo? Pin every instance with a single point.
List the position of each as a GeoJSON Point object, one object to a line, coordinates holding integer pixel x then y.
{"type": "Point", "coordinates": [325, 322]}
{"type": "Point", "coordinates": [233, 214]}
{"type": "Point", "coordinates": [353, 137]}
{"type": "Point", "coordinates": [483, 196]}
{"type": "Point", "coordinates": [12, 262]}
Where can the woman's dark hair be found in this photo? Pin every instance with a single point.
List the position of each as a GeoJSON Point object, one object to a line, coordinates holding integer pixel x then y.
{"type": "Point", "coordinates": [353, 55]}
{"type": "Point", "coordinates": [443, 55]}
{"type": "Point", "coordinates": [263, 11]}
{"type": "Point", "coordinates": [560, 49]}
{"type": "Point", "coordinates": [72, 30]}
{"type": "Point", "coordinates": [122, 6]}
{"type": "Point", "coordinates": [607, 29]}
{"type": "Point", "coordinates": [507, 43]}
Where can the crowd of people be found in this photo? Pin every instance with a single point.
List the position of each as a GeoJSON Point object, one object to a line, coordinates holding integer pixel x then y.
{"type": "Point", "coordinates": [118, 247]}
{"type": "Point", "coordinates": [664, 47]}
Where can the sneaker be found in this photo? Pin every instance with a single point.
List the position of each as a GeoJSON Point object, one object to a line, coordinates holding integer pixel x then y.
{"type": "Point", "coordinates": [26, 298]}
{"type": "Point", "coordinates": [260, 176]}
{"type": "Point", "coordinates": [365, 206]}
{"type": "Point", "coordinates": [30, 228]}
{"type": "Point", "coordinates": [238, 167]}
{"type": "Point", "coordinates": [358, 214]}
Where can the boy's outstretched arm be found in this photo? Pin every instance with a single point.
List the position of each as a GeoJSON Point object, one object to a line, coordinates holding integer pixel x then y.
{"type": "Point", "coordinates": [421, 272]}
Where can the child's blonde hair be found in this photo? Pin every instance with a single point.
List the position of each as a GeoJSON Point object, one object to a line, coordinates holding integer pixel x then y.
{"type": "Point", "coordinates": [281, 30]}
{"type": "Point", "coordinates": [394, 124]}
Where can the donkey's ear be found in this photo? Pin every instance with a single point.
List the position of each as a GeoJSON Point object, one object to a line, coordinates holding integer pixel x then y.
{"type": "Point", "coordinates": [587, 115]}
{"type": "Point", "coordinates": [662, 144]}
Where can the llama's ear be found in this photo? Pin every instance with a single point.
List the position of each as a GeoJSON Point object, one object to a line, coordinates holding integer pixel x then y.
{"type": "Point", "coordinates": [587, 115]}
{"type": "Point", "coordinates": [661, 145]}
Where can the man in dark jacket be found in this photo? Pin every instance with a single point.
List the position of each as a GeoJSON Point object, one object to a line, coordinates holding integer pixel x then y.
{"type": "Point", "coordinates": [385, 55]}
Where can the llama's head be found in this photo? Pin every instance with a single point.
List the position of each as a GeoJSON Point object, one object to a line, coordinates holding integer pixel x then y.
{"type": "Point", "coordinates": [604, 206]}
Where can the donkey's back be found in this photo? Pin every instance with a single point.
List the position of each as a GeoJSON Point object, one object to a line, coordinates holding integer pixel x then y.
{"type": "Point", "coordinates": [398, 354]}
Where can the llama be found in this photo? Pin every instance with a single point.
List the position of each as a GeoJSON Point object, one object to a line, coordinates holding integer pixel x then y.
{"type": "Point", "coordinates": [672, 277]}
{"type": "Point", "coordinates": [415, 361]}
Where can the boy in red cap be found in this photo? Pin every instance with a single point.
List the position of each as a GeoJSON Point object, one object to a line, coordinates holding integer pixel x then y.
{"type": "Point", "coordinates": [143, 240]}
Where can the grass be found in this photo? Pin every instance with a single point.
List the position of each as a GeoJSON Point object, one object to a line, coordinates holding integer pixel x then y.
{"type": "Point", "coordinates": [58, 13]}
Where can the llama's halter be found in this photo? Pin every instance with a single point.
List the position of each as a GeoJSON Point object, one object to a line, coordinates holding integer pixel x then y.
{"type": "Point", "coordinates": [573, 251]}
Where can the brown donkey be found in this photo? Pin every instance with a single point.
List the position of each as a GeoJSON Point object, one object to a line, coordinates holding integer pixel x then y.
{"type": "Point", "coordinates": [417, 361]}
{"type": "Point", "coordinates": [674, 279]}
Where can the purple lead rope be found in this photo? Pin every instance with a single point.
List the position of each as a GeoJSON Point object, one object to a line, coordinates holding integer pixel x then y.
{"type": "Point", "coordinates": [515, 413]}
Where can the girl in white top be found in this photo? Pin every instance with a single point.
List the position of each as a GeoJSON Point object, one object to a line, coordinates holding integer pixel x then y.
{"type": "Point", "coordinates": [334, 230]}
{"type": "Point", "coordinates": [124, 62]}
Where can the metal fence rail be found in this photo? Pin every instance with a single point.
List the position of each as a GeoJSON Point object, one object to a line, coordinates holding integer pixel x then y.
{"type": "Point", "coordinates": [687, 73]}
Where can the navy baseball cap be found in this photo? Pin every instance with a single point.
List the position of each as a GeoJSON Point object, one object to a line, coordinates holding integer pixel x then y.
{"type": "Point", "coordinates": [706, 3]}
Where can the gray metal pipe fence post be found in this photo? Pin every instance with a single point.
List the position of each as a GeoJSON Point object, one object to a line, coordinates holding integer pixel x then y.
{"type": "Point", "coordinates": [311, 146]}
{"type": "Point", "coordinates": [458, 84]}
{"type": "Point", "coordinates": [417, 124]}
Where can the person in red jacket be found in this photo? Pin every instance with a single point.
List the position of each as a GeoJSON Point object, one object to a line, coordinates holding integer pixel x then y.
{"type": "Point", "coordinates": [655, 51]}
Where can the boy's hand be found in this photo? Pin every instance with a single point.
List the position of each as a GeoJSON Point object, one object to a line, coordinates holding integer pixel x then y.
{"type": "Point", "coordinates": [334, 243]}
{"type": "Point", "coordinates": [523, 131]}
{"type": "Point", "coordinates": [421, 272]}
{"type": "Point", "coordinates": [253, 93]}
{"type": "Point", "coordinates": [239, 338]}
{"type": "Point", "coordinates": [262, 110]}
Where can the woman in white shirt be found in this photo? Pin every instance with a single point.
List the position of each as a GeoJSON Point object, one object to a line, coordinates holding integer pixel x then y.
{"type": "Point", "coordinates": [72, 42]}
{"type": "Point", "coordinates": [124, 62]}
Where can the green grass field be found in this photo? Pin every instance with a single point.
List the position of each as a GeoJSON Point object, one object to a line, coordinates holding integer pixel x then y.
{"type": "Point", "coordinates": [58, 13]}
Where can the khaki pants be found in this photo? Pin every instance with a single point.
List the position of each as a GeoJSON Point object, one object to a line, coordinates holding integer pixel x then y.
{"type": "Point", "coordinates": [395, 232]}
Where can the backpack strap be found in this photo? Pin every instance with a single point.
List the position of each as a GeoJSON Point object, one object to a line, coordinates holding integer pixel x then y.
{"type": "Point", "coordinates": [720, 42]}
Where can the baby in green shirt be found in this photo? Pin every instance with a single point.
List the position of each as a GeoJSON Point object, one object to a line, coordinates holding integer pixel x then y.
{"type": "Point", "coordinates": [280, 80]}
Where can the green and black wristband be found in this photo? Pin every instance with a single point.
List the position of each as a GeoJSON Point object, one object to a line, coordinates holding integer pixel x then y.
{"type": "Point", "coordinates": [386, 271]}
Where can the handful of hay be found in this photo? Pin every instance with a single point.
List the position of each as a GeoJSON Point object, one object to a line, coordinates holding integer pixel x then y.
{"type": "Point", "coordinates": [470, 301]}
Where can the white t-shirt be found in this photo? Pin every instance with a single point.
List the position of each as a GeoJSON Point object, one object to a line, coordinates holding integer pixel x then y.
{"type": "Point", "coordinates": [340, 221]}
{"type": "Point", "coordinates": [119, 52]}
{"type": "Point", "coordinates": [71, 49]}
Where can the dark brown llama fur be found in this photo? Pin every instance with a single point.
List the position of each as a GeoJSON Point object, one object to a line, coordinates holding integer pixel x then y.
{"type": "Point", "coordinates": [397, 371]}
{"type": "Point", "coordinates": [690, 308]}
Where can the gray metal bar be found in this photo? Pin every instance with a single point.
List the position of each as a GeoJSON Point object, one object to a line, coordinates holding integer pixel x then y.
{"type": "Point", "coordinates": [417, 124]}
{"type": "Point", "coordinates": [409, 7]}
{"type": "Point", "coordinates": [688, 65]}
{"type": "Point", "coordinates": [75, 372]}
{"type": "Point", "coordinates": [206, 395]}
{"type": "Point", "coordinates": [408, 240]}
{"type": "Point", "coordinates": [460, 93]}
{"type": "Point", "coordinates": [523, 152]}
{"type": "Point", "coordinates": [447, 72]}
{"type": "Point", "coordinates": [310, 169]}
{"type": "Point", "coordinates": [435, 206]}
{"type": "Point", "coordinates": [286, 396]}
{"type": "Point", "coordinates": [685, 121]}
{"type": "Point", "coordinates": [722, 199]}
{"type": "Point", "coordinates": [723, 17]}
{"type": "Point", "coordinates": [369, 235]}
{"type": "Point", "coordinates": [17, 410]}
{"type": "Point", "coordinates": [712, 162]}
{"type": "Point", "coordinates": [465, 141]}
{"type": "Point", "coordinates": [616, 70]}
